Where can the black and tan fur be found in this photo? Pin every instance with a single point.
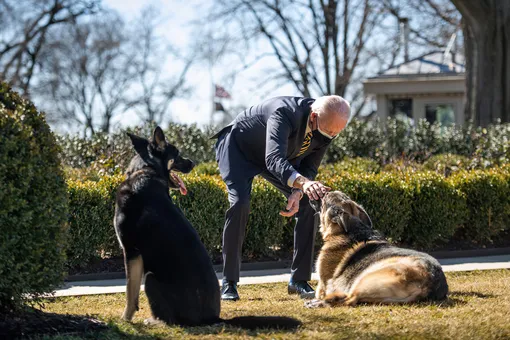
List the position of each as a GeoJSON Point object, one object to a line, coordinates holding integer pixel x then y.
{"type": "Point", "coordinates": [356, 264]}
{"type": "Point", "coordinates": [160, 243]}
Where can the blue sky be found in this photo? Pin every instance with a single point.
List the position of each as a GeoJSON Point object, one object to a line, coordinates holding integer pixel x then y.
{"type": "Point", "coordinates": [177, 27]}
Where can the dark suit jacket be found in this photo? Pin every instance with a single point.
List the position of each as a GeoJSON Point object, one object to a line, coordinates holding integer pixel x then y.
{"type": "Point", "coordinates": [271, 134]}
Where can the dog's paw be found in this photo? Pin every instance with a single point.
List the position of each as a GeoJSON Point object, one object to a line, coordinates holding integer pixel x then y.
{"type": "Point", "coordinates": [315, 303]}
{"type": "Point", "coordinates": [152, 322]}
{"type": "Point", "coordinates": [128, 315]}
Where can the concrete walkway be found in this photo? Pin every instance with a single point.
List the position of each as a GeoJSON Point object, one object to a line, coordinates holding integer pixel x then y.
{"type": "Point", "coordinates": [278, 275]}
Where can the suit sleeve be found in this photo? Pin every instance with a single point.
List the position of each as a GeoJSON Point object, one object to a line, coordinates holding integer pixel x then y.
{"type": "Point", "coordinates": [309, 166]}
{"type": "Point", "coordinates": [279, 128]}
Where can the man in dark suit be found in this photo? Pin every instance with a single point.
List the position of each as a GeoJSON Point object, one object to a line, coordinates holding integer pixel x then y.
{"type": "Point", "coordinates": [282, 139]}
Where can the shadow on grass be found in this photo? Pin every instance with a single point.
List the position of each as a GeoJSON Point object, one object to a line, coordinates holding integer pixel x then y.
{"type": "Point", "coordinates": [214, 329]}
{"type": "Point", "coordinates": [473, 295]}
{"type": "Point", "coordinates": [456, 299]}
{"type": "Point", "coordinates": [227, 329]}
{"type": "Point", "coordinates": [34, 323]}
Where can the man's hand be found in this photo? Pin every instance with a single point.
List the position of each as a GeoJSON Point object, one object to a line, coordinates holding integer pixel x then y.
{"type": "Point", "coordinates": [292, 204]}
{"type": "Point", "coordinates": [313, 189]}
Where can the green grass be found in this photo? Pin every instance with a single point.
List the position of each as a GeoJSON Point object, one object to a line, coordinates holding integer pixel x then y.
{"type": "Point", "coordinates": [477, 308]}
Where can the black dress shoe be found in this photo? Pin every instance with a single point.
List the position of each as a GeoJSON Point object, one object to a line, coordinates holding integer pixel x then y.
{"type": "Point", "coordinates": [302, 288]}
{"type": "Point", "coordinates": [229, 291]}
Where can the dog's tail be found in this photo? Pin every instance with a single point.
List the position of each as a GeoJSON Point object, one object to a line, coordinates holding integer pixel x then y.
{"type": "Point", "coordinates": [254, 322]}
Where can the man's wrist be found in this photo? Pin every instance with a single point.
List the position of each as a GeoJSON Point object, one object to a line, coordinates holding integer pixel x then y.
{"type": "Point", "coordinates": [300, 180]}
{"type": "Point", "coordinates": [294, 190]}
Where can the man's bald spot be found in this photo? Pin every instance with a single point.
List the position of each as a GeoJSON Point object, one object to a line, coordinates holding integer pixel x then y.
{"type": "Point", "coordinates": [334, 113]}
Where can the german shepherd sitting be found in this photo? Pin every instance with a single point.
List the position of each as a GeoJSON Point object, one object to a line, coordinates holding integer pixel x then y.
{"type": "Point", "coordinates": [356, 264]}
{"type": "Point", "coordinates": [161, 243]}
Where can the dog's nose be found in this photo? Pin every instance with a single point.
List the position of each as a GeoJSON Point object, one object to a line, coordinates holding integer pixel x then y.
{"type": "Point", "coordinates": [191, 165]}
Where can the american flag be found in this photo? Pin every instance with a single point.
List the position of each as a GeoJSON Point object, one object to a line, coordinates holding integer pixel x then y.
{"type": "Point", "coordinates": [220, 92]}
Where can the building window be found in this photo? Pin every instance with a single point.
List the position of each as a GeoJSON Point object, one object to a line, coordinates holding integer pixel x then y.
{"type": "Point", "coordinates": [441, 113]}
{"type": "Point", "coordinates": [401, 108]}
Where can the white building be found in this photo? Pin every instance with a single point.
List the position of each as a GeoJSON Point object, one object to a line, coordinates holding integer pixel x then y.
{"type": "Point", "coordinates": [430, 87]}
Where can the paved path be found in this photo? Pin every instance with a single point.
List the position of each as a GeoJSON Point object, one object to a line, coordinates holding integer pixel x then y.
{"type": "Point", "coordinates": [279, 275]}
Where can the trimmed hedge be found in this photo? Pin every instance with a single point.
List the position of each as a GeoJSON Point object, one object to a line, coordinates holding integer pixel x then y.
{"type": "Point", "coordinates": [383, 141]}
{"type": "Point", "coordinates": [422, 210]}
{"type": "Point", "coordinates": [487, 195]}
{"type": "Point", "coordinates": [33, 204]}
{"type": "Point", "coordinates": [385, 196]}
{"type": "Point", "coordinates": [91, 211]}
{"type": "Point", "coordinates": [438, 210]}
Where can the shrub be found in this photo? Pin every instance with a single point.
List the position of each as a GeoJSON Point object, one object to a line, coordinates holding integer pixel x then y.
{"type": "Point", "coordinates": [354, 165]}
{"type": "Point", "coordinates": [402, 166]}
{"type": "Point", "coordinates": [91, 211]}
{"type": "Point", "coordinates": [438, 209]}
{"type": "Point", "coordinates": [382, 141]}
{"type": "Point", "coordinates": [418, 209]}
{"type": "Point", "coordinates": [110, 154]}
{"type": "Point", "coordinates": [359, 139]}
{"type": "Point", "coordinates": [205, 206]}
{"type": "Point", "coordinates": [446, 164]}
{"type": "Point", "coordinates": [488, 198]}
{"type": "Point", "coordinates": [208, 168]}
{"type": "Point", "coordinates": [384, 196]}
{"type": "Point", "coordinates": [266, 227]}
{"type": "Point", "coordinates": [33, 203]}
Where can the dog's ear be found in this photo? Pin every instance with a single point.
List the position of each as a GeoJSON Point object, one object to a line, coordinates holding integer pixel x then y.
{"type": "Point", "coordinates": [139, 143]}
{"type": "Point", "coordinates": [316, 205]}
{"type": "Point", "coordinates": [357, 211]}
{"type": "Point", "coordinates": [158, 138]}
{"type": "Point", "coordinates": [363, 216]}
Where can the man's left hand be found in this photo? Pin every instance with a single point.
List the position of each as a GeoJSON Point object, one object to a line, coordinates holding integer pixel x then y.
{"type": "Point", "coordinates": [292, 204]}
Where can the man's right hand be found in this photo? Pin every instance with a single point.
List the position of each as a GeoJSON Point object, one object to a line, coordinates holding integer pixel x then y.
{"type": "Point", "coordinates": [315, 189]}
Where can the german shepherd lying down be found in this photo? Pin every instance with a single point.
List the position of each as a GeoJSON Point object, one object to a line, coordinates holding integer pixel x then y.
{"type": "Point", "coordinates": [161, 243]}
{"type": "Point", "coordinates": [356, 264]}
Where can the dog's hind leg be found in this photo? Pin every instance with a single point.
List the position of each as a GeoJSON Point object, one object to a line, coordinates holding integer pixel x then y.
{"type": "Point", "coordinates": [399, 284]}
{"type": "Point", "coordinates": [159, 302]}
{"type": "Point", "coordinates": [134, 274]}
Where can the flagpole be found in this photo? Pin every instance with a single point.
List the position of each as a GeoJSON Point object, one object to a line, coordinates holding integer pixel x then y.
{"type": "Point", "coordinates": [213, 93]}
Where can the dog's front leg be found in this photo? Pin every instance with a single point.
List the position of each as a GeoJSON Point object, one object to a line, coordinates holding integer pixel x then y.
{"type": "Point", "coordinates": [320, 292]}
{"type": "Point", "coordinates": [134, 274]}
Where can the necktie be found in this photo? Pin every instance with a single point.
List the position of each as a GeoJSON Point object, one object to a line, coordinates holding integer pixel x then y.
{"type": "Point", "coordinates": [306, 144]}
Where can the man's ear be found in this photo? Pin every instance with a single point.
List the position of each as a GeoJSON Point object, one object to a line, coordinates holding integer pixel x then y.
{"type": "Point", "coordinates": [158, 138]}
{"type": "Point", "coordinates": [139, 143]}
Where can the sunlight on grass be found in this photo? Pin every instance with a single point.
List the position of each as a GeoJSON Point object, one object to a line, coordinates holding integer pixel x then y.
{"type": "Point", "coordinates": [477, 308]}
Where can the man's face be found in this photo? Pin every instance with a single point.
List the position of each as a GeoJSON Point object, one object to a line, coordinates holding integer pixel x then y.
{"type": "Point", "coordinates": [330, 124]}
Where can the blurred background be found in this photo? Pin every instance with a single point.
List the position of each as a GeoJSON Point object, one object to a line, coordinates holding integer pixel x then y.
{"type": "Point", "coordinates": [99, 66]}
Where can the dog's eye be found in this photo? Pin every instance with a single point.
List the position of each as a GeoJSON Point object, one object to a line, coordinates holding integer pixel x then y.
{"type": "Point", "coordinates": [170, 163]}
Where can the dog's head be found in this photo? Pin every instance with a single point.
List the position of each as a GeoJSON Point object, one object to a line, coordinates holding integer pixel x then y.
{"type": "Point", "coordinates": [339, 215]}
{"type": "Point", "coordinates": [162, 156]}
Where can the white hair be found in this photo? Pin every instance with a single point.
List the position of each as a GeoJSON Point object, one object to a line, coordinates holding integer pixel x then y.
{"type": "Point", "coordinates": [332, 104]}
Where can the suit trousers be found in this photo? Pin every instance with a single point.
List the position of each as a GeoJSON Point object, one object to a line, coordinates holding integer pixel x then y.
{"type": "Point", "coordinates": [238, 174]}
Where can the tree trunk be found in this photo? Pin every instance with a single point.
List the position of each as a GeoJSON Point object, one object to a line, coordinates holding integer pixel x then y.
{"type": "Point", "coordinates": [487, 36]}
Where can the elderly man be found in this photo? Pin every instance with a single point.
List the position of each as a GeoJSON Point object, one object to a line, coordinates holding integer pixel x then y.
{"type": "Point", "coordinates": [283, 139]}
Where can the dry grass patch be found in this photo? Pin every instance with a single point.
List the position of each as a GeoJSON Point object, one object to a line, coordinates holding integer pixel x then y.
{"type": "Point", "coordinates": [477, 308]}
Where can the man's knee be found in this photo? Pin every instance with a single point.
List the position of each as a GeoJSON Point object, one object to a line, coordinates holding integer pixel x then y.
{"type": "Point", "coordinates": [239, 201]}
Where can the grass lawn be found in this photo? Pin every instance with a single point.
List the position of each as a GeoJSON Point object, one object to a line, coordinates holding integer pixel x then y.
{"type": "Point", "coordinates": [478, 308]}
